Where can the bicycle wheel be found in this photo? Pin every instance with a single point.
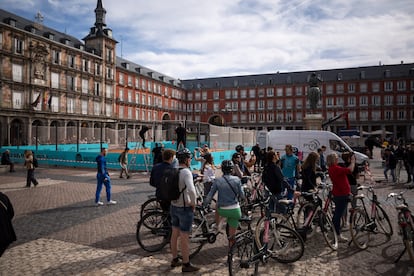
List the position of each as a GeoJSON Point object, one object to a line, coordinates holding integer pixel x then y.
{"type": "Point", "coordinates": [309, 228]}
{"type": "Point", "coordinates": [328, 231]}
{"type": "Point", "coordinates": [197, 236]}
{"type": "Point", "coordinates": [241, 255]}
{"type": "Point", "coordinates": [153, 231]}
{"type": "Point", "coordinates": [358, 227]}
{"type": "Point", "coordinates": [383, 222]}
{"type": "Point", "coordinates": [285, 244]}
{"type": "Point", "coordinates": [150, 205]}
{"type": "Point", "coordinates": [408, 236]}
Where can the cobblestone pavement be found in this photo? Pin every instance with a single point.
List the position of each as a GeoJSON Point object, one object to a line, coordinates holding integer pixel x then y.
{"type": "Point", "coordinates": [61, 232]}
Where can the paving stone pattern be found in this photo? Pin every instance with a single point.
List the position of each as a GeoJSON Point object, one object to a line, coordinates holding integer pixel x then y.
{"type": "Point", "coordinates": [61, 232]}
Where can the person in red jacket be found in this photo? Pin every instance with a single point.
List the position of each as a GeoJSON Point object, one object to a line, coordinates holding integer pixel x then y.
{"type": "Point", "coordinates": [341, 189]}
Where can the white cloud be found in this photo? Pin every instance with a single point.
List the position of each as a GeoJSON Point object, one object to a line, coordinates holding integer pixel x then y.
{"type": "Point", "coordinates": [189, 38]}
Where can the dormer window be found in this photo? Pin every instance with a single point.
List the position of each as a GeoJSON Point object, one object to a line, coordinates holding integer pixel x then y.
{"type": "Point", "coordinates": [50, 35]}
{"type": "Point", "coordinates": [11, 21]}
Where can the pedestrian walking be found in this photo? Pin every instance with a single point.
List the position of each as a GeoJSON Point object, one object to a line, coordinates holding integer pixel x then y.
{"type": "Point", "coordinates": [390, 164]}
{"type": "Point", "coordinates": [340, 189]}
{"type": "Point", "coordinates": [182, 213]}
{"type": "Point", "coordinates": [103, 178]}
{"type": "Point", "coordinates": [229, 191]}
{"type": "Point", "coordinates": [29, 164]}
{"type": "Point", "coordinates": [7, 234]}
{"type": "Point", "coordinates": [5, 160]}
{"type": "Point", "coordinates": [123, 162]}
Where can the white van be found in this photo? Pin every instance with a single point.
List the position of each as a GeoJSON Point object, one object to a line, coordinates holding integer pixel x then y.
{"type": "Point", "coordinates": [306, 141]}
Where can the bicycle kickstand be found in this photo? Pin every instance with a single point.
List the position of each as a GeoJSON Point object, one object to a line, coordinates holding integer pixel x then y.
{"type": "Point", "coordinates": [399, 257]}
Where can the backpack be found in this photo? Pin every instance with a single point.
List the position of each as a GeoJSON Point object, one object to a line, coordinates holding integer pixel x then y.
{"type": "Point", "coordinates": [168, 186]}
{"type": "Point", "coordinates": [35, 162]}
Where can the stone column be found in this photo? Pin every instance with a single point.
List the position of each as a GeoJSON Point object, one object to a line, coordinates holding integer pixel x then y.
{"type": "Point", "coordinates": [313, 121]}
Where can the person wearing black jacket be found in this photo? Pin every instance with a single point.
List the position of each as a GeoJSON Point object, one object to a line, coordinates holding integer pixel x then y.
{"type": "Point", "coordinates": [7, 234]}
{"type": "Point", "coordinates": [274, 180]}
{"type": "Point", "coordinates": [309, 174]}
{"type": "Point", "coordinates": [157, 173]}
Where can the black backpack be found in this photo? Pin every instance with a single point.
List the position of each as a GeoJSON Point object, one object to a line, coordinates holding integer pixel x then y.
{"type": "Point", "coordinates": [168, 187]}
{"type": "Point", "coordinates": [35, 162]}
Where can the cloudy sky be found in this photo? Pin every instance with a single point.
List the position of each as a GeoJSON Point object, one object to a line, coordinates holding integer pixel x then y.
{"type": "Point", "coordinates": [197, 39]}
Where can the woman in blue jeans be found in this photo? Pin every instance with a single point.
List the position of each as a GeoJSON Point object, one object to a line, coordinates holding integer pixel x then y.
{"type": "Point", "coordinates": [340, 189]}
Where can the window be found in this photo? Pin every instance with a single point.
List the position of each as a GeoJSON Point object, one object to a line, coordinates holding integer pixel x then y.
{"type": "Point", "coordinates": [299, 103]}
{"type": "Point", "coordinates": [97, 89]}
{"type": "Point", "coordinates": [261, 93]}
{"type": "Point", "coordinates": [235, 94]}
{"type": "Point", "coordinates": [234, 118]}
{"type": "Point", "coordinates": [1, 40]}
{"type": "Point", "coordinates": [270, 92]}
{"type": "Point", "coordinates": [109, 54]}
{"type": "Point", "coordinates": [412, 85]}
{"type": "Point", "coordinates": [55, 104]}
{"type": "Point", "coordinates": [149, 100]}
{"type": "Point", "coordinates": [56, 56]}
{"type": "Point", "coordinates": [376, 100]}
{"type": "Point", "coordinates": [144, 84]}
{"type": "Point", "coordinates": [363, 101]}
{"type": "Point", "coordinates": [375, 87]}
{"type": "Point", "coordinates": [401, 85]}
{"type": "Point", "coordinates": [261, 117]}
{"type": "Point", "coordinates": [71, 61]}
{"type": "Point", "coordinates": [279, 104]}
{"type": "Point", "coordinates": [109, 91]}
{"type": "Point", "coordinates": [55, 80]}
{"type": "Point", "coordinates": [85, 65]}
{"type": "Point", "coordinates": [130, 96]}
{"type": "Point", "coordinates": [351, 101]}
{"type": "Point", "coordinates": [17, 99]}
{"type": "Point", "coordinates": [363, 115]}
{"type": "Point", "coordinates": [269, 104]}
{"type": "Point", "coordinates": [215, 107]}
{"type": "Point", "coordinates": [84, 107]}
{"type": "Point", "coordinates": [260, 104]}
{"type": "Point", "coordinates": [85, 85]}
{"type": "Point", "coordinates": [252, 105]}
{"type": "Point", "coordinates": [18, 45]}
{"type": "Point", "coordinates": [279, 92]}
{"type": "Point", "coordinates": [299, 116]}
{"type": "Point", "coordinates": [98, 69]}
{"type": "Point", "coordinates": [401, 115]}
{"type": "Point", "coordinates": [388, 100]}
{"type": "Point", "coordinates": [234, 106]}
{"type": "Point", "coordinates": [71, 82]}
{"type": "Point", "coordinates": [298, 91]}
{"type": "Point", "coordinates": [109, 74]}
{"type": "Point", "coordinates": [339, 88]}
{"type": "Point", "coordinates": [376, 115]}
{"type": "Point", "coordinates": [121, 78]}
{"type": "Point", "coordinates": [351, 88]}
{"type": "Point", "coordinates": [190, 96]}
{"type": "Point", "coordinates": [204, 107]}
{"type": "Point", "coordinates": [137, 83]}
{"type": "Point", "coordinates": [252, 117]}
{"type": "Point", "coordinates": [363, 88]}
{"type": "Point", "coordinates": [129, 80]}
{"type": "Point", "coordinates": [252, 93]}
{"type": "Point", "coordinates": [388, 86]}
{"type": "Point", "coordinates": [401, 99]}
{"type": "Point", "coordinates": [243, 106]}
{"type": "Point", "coordinates": [288, 91]}
{"type": "Point", "coordinates": [129, 112]}
{"type": "Point", "coordinates": [329, 102]}
{"type": "Point", "coordinates": [329, 89]}
{"type": "Point", "coordinates": [388, 115]}
{"type": "Point", "coordinates": [216, 95]}
{"type": "Point", "coordinates": [198, 96]}
{"type": "Point", "coordinates": [288, 104]}
{"type": "Point", "coordinates": [270, 117]}
{"type": "Point", "coordinates": [121, 95]}
{"type": "Point", "coordinates": [97, 108]}
{"type": "Point", "coordinates": [204, 95]}
{"type": "Point", "coordinates": [227, 94]}
{"type": "Point", "coordinates": [243, 93]}
{"type": "Point", "coordinates": [17, 72]}
{"type": "Point", "coordinates": [70, 104]}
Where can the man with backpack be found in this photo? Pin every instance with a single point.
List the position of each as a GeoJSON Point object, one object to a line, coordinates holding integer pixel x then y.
{"type": "Point", "coordinates": [182, 213]}
{"type": "Point", "coordinates": [156, 177]}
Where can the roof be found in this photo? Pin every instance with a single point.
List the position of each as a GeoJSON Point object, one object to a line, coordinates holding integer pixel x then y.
{"type": "Point", "coordinates": [379, 72]}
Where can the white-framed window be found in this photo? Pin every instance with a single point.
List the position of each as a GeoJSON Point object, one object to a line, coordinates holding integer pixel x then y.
{"type": "Point", "coordinates": [71, 82]}
{"type": "Point", "coordinates": [401, 115]}
{"type": "Point", "coordinates": [279, 92]}
{"type": "Point", "coordinates": [17, 71]}
{"type": "Point", "coordinates": [56, 56]}
{"type": "Point", "coordinates": [121, 78]}
{"type": "Point", "coordinates": [71, 61]}
{"type": "Point", "coordinates": [84, 107]}
{"type": "Point", "coordinates": [363, 87]}
{"type": "Point", "coordinates": [129, 112]}
{"type": "Point", "coordinates": [55, 104]}
{"type": "Point", "coordinates": [204, 107]}
{"type": "Point", "coordinates": [216, 107]}
{"type": "Point", "coordinates": [339, 88]}
{"type": "Point", "coordinates": [243, 106]}
{"type": "Point", "coordinates": [109, 55]}
{"type": "Point", "coordinates": [299, 103]}
{"type": "Point", "coordinates": [227, 94]}
{"type": "Point", "coordinates": [376, 115]}
{"type": "Point", "coordinates": [97, 88]}
{"type": "Point", "coordinates": [129, 96]}
{"type": "Point", "coordinates": [204, 95]}
{"type": "Point", "coordinates": [129, 80]}
{"type": "Point", "coordinates": [108, 110]}
{"type": "Point", "coordinates": [137, 112]}
{"type": "Point", "coordinates": [298, 91]}
{"type": "Point", "coordinates": [252, 93]}
{"type": "Point", "coordinates": [388, 86]}
{"type": "Point", "coordinates": [388, 100]}
{"type": "Point", "coordinates": [288, 103]}
{"type": "Point", "coordinates": [270, 92]}
{"type": "Point", "coordinates": [279, 104]}
{"type": "Point", "coordinates": [363, 115]}
{"type": "Point", "coordinates": [252, 105]}
{"type": "Point", "coordinates": [252, 117]}
{"type": "Point", "coordinates": [18, 45]}
{"type": "Point", "coordinates": [260, 105]}
{"type": "Point", "coordinates": [137, 98]}
{"type": "Point", "coordinates": [401, 99]}
{"type": "Point", "coordinates": [137, 82]}
{"type": "Point", "coordinates": [261, 117]}
{"type": "Point", "coordinates": [143, 99]}
{"type": "Point", "coordinates": [1, 40]}
{"type": "Point", "coordinates": [85, 85]}
{"type": "Point", "coordinates": [376, 100]}
{"type": "Point", "coordinates": [98, 69]}
{"type": "Point", "coordinates": [234, 106]}
{"type": "Point", "coordinates": [289, 91]}
{"type": "Point", "coordinates": [109, 91]}
{"type": "Point", "coordinates": [261, 92]}
{"type": "Point", "coordinates": [402, 85]}
{"type": "Point", "coordinates": [235, 118]}
{"type": "Point", "coordinates": [197, 96]}
{"type": "Point", "coordinates": [243, 118]}
{"type": "Point", "coordinates": [351, 87]}
{"type": "Point", "coordinates": [55, 80]}
{"type": "Point", "coordinates": [269, 104]}
{"type": "Point", "coordinates": [121, 95]}
{"type": "Point", "coordinates": [243, 94]}
{"type": "Point", "coordinates": [329, 89]}
{"type": "Point", "coordinates": [270, 117]}
{"type": "Point", "coordinates": [85, 65]}
{"type": "Point", "coordinates": [216, 95]}
{"type": "Point", "coordinates": [35, 96]}
{"type": "Point", "coordinates": [388, 115]}
{"type": "Point", "coordinates": [375, 87]}
{"type": "Point", "coordinates": [70, 105]}
{"type": "Point", "coordinates": [299, 117]}
{"type": "Point", "coordinates": [149, 100]}
{"type": "Point", "coordinates": [17, 99]}
{"type": "Point", "coordinates": [235, 94]}
{"type": "Point", "coordinates": [363, 101]}
{"type": "Point", "coordinates": [329, 102]}
{"type": "Point", "coordinates": [351, 101]}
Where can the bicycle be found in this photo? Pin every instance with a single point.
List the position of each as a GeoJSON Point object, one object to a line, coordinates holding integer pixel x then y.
{"type": "Point", "coordinates": [254, 191]}
{"type": "Point", "coordinates": [283, 242]}
{"type": "Point", "coordinates": [154, 231]}
{"type": "Point", "coordinates": [362, 224]}
{"type": "Point", "coordinates": [312, 214]}
{"type": "Point", "coordinates": [405, 224]}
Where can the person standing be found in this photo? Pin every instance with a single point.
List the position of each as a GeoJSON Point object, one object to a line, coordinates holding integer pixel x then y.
{"type": "Point", "coordinates": [390, 164]}
{"type": "Point", "coordinates": [340, 189]}
{"type": "Point", "coordinates": [290, 168]}
{"type": "Point", "coordinates": [244, 164]}
{"type": "Point", "coordinates": [5, 160]}
{"type": "Point", "coordinates": [157, 173]}
{"type": "Point", "coordinates": [208, 172]}
{"type": "Point", "coordinates": [157, 154]}
{"type": "Point", "coordinates": [181, 133]}
{"type": "Point", "coordinates": [182, 213]}
{"type": "Point", "coordinates": [236, 158]}
{"type": "Point", "coordinates": [229, 191]}
{"type": "Point", "coordinates": [123, 162]}
{"type": "Point", "coordinates": [28, 162]}
{"type": "Point", "coordinates": [410, 162]}
{"type": "Point", "coordinates": [7, 234]}
{"type": "Point", "coordinates": [103, 178]}
{"type": "Point", "coordinates": [309, 167]}
{"type": "Point", "coordinates": [142, 134]}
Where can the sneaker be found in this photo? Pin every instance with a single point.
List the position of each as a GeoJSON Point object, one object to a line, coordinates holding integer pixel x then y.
{"type": "Point", "coordinates": [176, 262]}
{"type": "Point", "coordinates": [111, 202]}
{"type": "Point", "coordinates": [342, 239]}
{"type": "Point", "coordinates": [121, 176]}
{"type": "Point", "coordinates": [99, 203]}
{"type": "Point", "coordinates": [189, 268]}
{"type": "Point", "coordinates": [128, 177]}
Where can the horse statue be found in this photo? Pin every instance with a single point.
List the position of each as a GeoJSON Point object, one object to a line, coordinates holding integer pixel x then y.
{"type": "Point", "coordinates": [314, 93]}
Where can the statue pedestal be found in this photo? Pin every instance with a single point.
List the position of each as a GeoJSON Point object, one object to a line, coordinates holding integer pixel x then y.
{"type": "Point", "coordinates": [313, 121]}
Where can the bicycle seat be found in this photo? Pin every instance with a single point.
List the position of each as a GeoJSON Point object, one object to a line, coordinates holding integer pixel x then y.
{"type": "Point", "coordinates": [285, 201]}
{"type": "Point", "coordinates": [360, 196]}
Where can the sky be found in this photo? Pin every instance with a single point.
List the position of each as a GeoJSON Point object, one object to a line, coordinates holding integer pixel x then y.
{"type": "Point", "coordinates": [188, 39]}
